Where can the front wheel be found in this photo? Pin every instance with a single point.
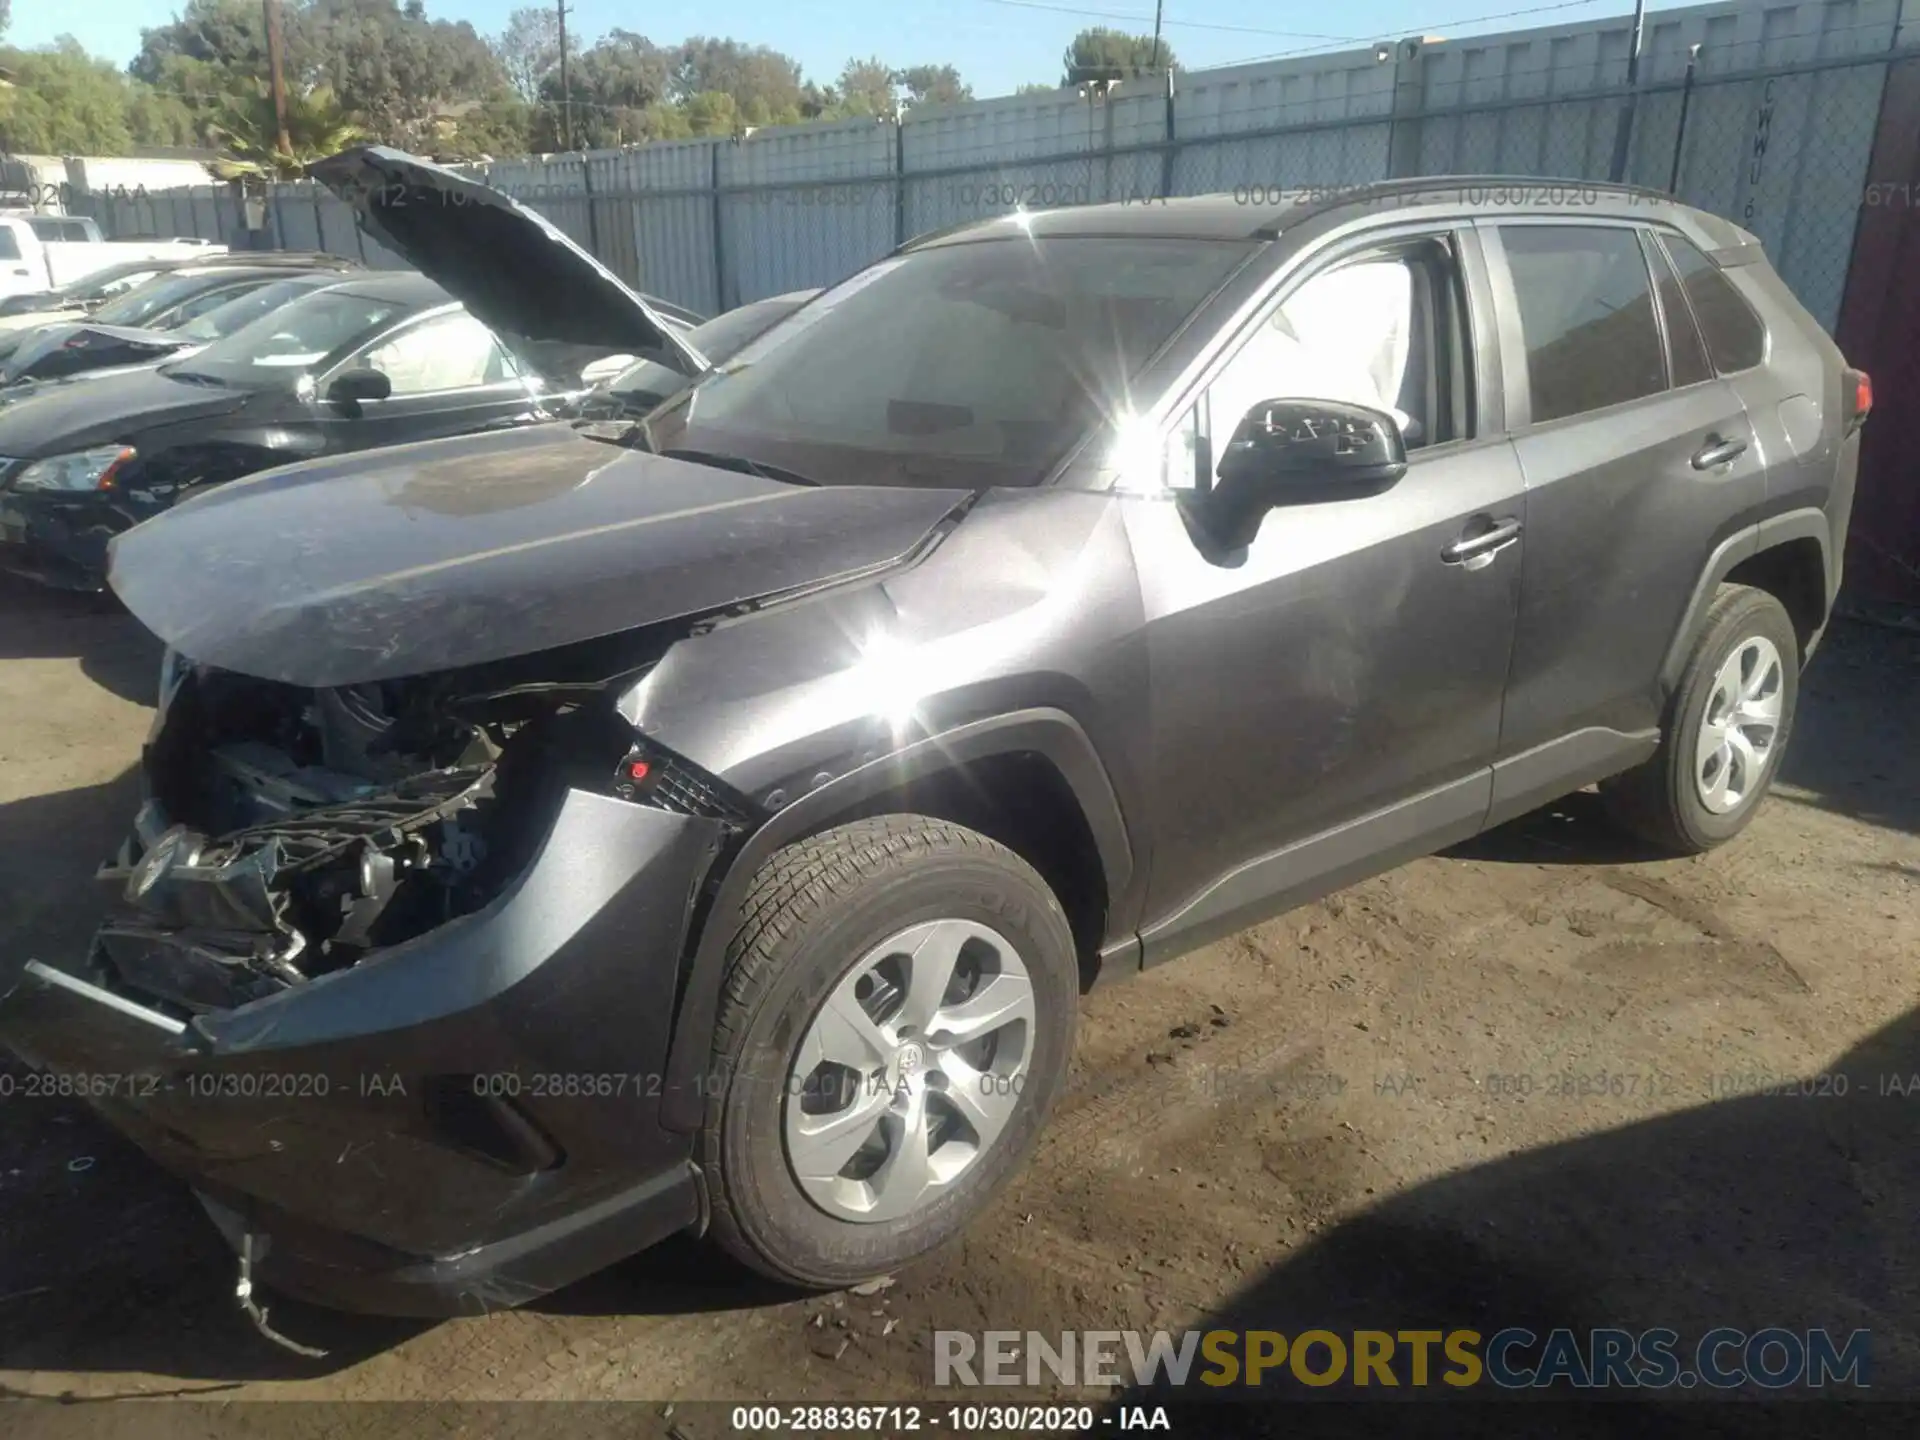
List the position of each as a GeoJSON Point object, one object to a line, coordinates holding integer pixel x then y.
{"type": "Point", "coordinates": [1731, 716]}
{"type": "Point", "coordinates": [896, 1022]}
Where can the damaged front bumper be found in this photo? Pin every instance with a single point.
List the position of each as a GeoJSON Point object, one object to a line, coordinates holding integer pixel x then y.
{"type": "Point", "coordinates": [459, 1122]}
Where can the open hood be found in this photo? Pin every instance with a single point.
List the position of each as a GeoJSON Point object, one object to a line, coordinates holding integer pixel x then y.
{"type": "Point", "coordinates": [553, 302]}
{"type": "Point", "coordinates": [453, 553]}
{"type": "Point", "coordinates": [83, 345]}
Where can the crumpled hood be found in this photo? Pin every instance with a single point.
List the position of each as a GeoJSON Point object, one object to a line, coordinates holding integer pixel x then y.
{"type": "Point", "coordinates": [452, 553]}
{"type": "Point", "coordinates": [83, 345]}
{"type": "Point", "coordinates": [51, 419]}
{"type": "Point", "coordinates": [510, 266]}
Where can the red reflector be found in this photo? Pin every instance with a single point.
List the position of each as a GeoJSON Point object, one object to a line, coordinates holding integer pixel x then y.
{"type": "Point", "coordinates": [1862, 393]}
{"type": "Point", "coordinates": [638, 769]}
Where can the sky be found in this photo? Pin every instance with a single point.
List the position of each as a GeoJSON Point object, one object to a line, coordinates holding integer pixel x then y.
{"type": "Point", "coordinates": [996, 44]}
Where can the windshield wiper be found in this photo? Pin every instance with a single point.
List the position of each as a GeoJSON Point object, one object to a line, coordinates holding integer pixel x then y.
{"type": "Point", "coordinates": [741, 463]}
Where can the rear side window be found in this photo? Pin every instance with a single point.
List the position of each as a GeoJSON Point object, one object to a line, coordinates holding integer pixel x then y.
{"type": "Point", "coordinates": [1685, 353]}
{"type": "Point", "coordinates": [9, 247]}
{"type": "Point", "coordinates": [1586, 317]}
{"type": "Point", "coordinates": [1735, 337]}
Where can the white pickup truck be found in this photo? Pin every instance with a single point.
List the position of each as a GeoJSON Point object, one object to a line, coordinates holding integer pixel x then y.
{"type": "Point", "coordinates": [29, 261]}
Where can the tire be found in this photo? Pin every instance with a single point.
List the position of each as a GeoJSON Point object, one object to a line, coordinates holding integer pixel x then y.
{"type": "Point", "coordinates": [1665, 800]}
{"type": "Point", "coordinates": [816, 916]}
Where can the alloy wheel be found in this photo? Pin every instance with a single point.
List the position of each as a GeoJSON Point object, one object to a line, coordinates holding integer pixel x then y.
{"type": "Point", "coordinates": [909, 1070]}
{"type": "Point", "coordinates": [1740, 726]}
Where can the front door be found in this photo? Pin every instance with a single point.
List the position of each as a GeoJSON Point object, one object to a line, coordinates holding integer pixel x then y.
{"type": "Point", "coordinates": [1327, 701]}
{"type": "Point", "coordinates": [449, 376]}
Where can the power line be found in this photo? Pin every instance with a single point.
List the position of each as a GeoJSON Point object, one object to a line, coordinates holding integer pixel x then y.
{"type": "Point", "coordinates": [1325, 41]}
{"type": "Point", "coordinates": [1185, 24]}
{"type": "Point", "coordinates": [1431, 26]}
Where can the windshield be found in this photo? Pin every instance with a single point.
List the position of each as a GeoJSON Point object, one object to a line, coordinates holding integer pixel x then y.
{"type": "Point", "coordinates": [99, 285]}
{"type": "Point", "coordinates": [972, 364]}
{"type": "Point", "coordinates": [648, 382]}
{"type": "Point", "coordinates": [140, 305]}
{"type": "Point", "coordinates": [303, 335]}
{"type": "Point", "coordinates": [225, 319]}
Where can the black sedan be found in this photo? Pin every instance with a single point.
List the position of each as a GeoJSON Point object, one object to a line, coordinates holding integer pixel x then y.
{"type": "Point", "coordinates": [96, 346]}
{"type": "Point", "coordinates": [86, 291]}
{"type": "Point", "coordinates": [374, 361]}
{"type": "Point", "coordinates": [157, 294]}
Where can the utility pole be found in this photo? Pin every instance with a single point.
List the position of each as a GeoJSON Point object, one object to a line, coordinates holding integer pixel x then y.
{"type": "Point", "coordinates": [1154, 59]}
{"type": "Point", "coordinates": [566, 88]}
{"type": "Point", "coordinates": [275, 78]}
{"type": "Point", "coordinates": [1623, 130]}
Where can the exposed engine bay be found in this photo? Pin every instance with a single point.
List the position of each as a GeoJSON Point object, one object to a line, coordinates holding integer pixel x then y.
{"type": "Point", "coordinates": [290, 833]}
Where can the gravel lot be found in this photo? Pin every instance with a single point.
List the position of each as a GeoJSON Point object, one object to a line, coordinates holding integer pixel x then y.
{"type": "Point", "coordinates": [1306, 1124]}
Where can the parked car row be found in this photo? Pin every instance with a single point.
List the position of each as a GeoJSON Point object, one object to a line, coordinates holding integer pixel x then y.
{"type": "Point", "coordinates": [209, 372]}
{"type": "Point", "coordinates": [704, 799]}
{"type": "Point", "coordinates": [41, 252]}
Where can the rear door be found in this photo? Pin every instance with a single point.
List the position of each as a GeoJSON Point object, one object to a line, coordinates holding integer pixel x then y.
{"type": "Point", "coordinates": [449, 376]}
{"type": "Point", "coordinates": [1638, 461]}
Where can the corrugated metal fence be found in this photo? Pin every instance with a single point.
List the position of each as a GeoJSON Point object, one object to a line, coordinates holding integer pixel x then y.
{"type": "Point", "coordinates": [1764, 113]}
{"type": "Point", "coordinates": [1769, 121]}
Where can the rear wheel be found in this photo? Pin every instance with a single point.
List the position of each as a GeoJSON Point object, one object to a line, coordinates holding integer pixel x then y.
{"type": "Point", "coordinates": [896, 1023]}
{"type": "Point", "coordinates": [1731, 716]}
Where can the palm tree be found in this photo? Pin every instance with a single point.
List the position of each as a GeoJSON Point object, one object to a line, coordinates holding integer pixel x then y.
{"type": "Point", "coordinates": [248, 131]}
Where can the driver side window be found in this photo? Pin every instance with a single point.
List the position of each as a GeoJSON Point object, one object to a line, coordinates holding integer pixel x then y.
{"type": "Point", "coordinates": [1384, 330]}
{"type": "Point", "coordinates": [449, 352]}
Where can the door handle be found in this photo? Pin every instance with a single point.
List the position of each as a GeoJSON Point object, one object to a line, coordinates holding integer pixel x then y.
{"type": "Point", "coordinates": [1482, 545]}
{"type": "Point", "coordinates": [1718, 452]}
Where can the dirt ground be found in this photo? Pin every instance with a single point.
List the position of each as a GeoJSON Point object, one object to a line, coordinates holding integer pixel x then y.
{"type": "Point", "coordinates": [1307, 1124]}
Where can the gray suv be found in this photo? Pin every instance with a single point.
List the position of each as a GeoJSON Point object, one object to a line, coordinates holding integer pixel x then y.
{"type": "Point", "coordinates": [709, 817]}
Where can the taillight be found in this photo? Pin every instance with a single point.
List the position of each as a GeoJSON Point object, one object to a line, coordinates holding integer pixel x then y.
{"type": "Point", "coordinates": [1857, 388]}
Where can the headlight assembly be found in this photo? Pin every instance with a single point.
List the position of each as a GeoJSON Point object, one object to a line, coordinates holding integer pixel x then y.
{"type": "Point", "coordinates": [82, 470]}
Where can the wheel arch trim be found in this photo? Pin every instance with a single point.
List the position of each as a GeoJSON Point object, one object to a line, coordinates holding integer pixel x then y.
{"type": "Point", "coordinates": [1050, 733]}
{"type": "Point", "coordinates": [1740, 546]}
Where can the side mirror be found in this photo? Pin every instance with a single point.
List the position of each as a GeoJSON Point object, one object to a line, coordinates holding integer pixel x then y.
{"type": "Point", "coordinates": [1293, 452]}
{"type": "Point", "coordinates": [351, 387]}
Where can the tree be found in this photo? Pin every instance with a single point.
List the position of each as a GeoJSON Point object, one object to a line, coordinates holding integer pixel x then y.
{"type": "Point", "coordinates": [713, 112]}
{"type": "Point", "coordinates": [228, 34]}
{"type": "Point", "coordinates": [248, 131]}
{"type": "Point", "coordinates": [156, 117]}
{"type": "Point", "coordinates": [209, 57]}
{"type": "Point", "coordinates": [65, 102]}
{"type": "Point", "coordinates": [935, 85]}
{"type": "Point", "coordinates": [620, 89]}
{"type": "Point", "coordinates": [1036, 88]}
{"type": "Point", "coordinates": [766, 86]}
{"type": "Point", "coordinates": [529, 49]}
{"type": "Point", "coordinates": [502, 125]}
{"type": "Point", "coordinates": [866, 88]}
{"type": "Point", "coordinates": [1099, 53]}
{"type": "Point", "coordinates": [408, 79]}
